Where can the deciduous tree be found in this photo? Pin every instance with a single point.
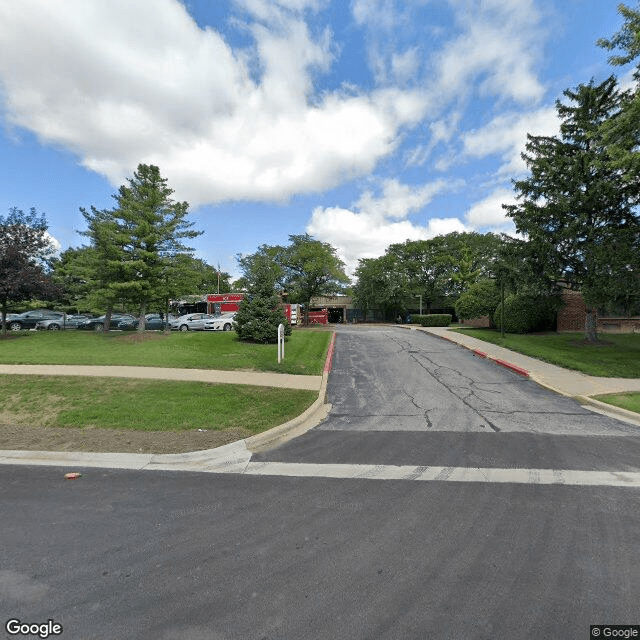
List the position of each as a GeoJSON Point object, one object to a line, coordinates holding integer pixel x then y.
{"type": "Point", "coordinates": [25, 250]}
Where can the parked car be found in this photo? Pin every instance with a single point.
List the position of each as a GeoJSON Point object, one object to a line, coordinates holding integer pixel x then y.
{"type": "Point", "coordinates": [193, 322]}
{"type": "Point", "coordinates": [97, 324]}
{"type": "Point", "coordinates": [29, 319]}
{"type": "Point", "coordinates": [223, 322]}
{"type": "Point", "coordinates": [66, 322]}
{"type": "Point", "coordinates": [152, 322]}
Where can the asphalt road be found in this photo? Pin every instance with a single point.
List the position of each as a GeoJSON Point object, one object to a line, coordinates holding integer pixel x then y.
{"type": "Point", "coordinates": [161, 555]}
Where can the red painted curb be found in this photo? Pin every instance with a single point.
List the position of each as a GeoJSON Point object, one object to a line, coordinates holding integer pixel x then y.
{"type": "Point", "coordinates": [329, 361]}
{"type": "Point", "coordinates": [513, 367]}
{"type": "Point", "coordinates": [482, 354]}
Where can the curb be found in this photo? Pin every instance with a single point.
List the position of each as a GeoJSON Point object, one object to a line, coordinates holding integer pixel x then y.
{"type": "Point", "coordinates": [481, 354]}
{"type": "Point", "coordinates": [232, 457]}
{"type": "Point", "coordinates": [512, 367]}
{"type": "Point", "coordinates": [609, 409]}
{"type": "Point", "coordinates": [312, 417]}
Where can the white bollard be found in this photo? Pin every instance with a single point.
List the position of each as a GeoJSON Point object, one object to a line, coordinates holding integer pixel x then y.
{"type": "Point", "coordinates": [280, 342]}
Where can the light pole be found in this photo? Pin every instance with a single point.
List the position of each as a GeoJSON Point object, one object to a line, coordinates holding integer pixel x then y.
{"type": "Point", "coordinates": [420, 296]}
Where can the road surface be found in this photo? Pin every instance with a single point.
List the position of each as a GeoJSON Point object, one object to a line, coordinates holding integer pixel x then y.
{"type": "Point", "coordinates": [165, 555]}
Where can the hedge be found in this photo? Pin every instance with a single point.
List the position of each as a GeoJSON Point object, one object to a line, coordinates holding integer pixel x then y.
{"type": "Point", "coordinates": [436, 320]}
{"type": "Point", "coordinates": [526, 313]}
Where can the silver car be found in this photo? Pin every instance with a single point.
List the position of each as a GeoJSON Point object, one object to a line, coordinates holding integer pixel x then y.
{"type": "Point", "coordinates": [193, 322]}
{"type": "Point", "coordinates": [223, 322]}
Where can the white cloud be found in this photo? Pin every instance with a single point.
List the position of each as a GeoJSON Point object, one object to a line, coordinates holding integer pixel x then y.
{"type": "Point", "coordinates": [506, 135]}
{"type": "Point", "coordinates": [500, 41]}
{"type": "Point", "coordinates": [488, 214]}
{"type": "Point", "coordinates": [373, 223]}
{"type": "Point", "coordinates": [120, 82]}
{"type": "Point", "coordinates": [54, 243]}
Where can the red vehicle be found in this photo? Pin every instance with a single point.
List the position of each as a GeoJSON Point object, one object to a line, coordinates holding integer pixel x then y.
{"type": "Point", "coordinates": [223, 302]}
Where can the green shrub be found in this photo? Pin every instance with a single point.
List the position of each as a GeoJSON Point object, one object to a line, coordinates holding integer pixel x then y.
{"type": "Point", "coordinates": [436, 320]}
{"type": "Point", "coordinates": [526, 313]}
{"type": "Point", "coordinates": [258, 318]}
{"type": "Point", "coordinates": [416, 318]}
{"type": "Point", "coordinates": [480, 299]}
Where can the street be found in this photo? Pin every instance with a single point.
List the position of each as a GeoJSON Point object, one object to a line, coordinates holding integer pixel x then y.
{"type": "Point", "coordinates": [274, 555]}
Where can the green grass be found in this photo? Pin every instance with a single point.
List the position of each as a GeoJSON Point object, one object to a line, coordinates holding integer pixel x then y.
{"type": "Point", "coordinates": [618, 355]}
{"type": "Point", "coordinates": [146, 405]}
{"type": "Point", "coordinates": [305, 351]}
{"type": "Point", "coordinates": [629, 401]}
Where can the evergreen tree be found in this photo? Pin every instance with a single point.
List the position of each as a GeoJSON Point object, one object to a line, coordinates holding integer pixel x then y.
{"type": "Point", "coordinates": [259, 314]}
{"type": "Point", "coordinates": [155, 226]}
{"type": "Point", "coordinates": [577, 209]}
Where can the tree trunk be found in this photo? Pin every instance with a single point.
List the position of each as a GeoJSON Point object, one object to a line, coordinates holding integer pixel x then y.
{"type": "Point", "coordinates": [591, 325]}
{"type": "Point", "coordinates": [107, 319]}
{"type": "Point", "coordinates": [141, 319]}
{"type": "Point", "coordinates": [4, 317]}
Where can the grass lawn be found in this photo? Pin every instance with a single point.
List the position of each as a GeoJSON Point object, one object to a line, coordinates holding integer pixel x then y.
{"type": "Point", "coordinates": [618, 355]}
{"type": "Point", "coordinates": [145, 405]}
{"type": "Point", "coordinates": [305, 350]}
{"type": "Point", "coordinates": [629, 401]}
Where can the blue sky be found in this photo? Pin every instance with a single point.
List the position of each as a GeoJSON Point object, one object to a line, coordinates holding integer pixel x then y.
{"type": "Point", "coordinates": [361, 122]}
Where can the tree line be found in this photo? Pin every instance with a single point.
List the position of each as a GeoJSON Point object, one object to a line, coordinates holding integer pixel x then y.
{"type": "Point", "coordinates": [576, 214]}
{"type": "Point", "coordinates": [135, 259]}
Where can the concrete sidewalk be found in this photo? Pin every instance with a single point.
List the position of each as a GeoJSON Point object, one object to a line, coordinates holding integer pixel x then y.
{"type": "Point", "coordinates": [563, 381]}
{"type": "Point", "coordinates": [285, 380]}
{"type": "Point", "coordinates": [231, 458]}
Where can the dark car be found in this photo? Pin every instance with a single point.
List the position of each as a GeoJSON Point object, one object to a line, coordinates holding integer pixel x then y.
{"type": "Point", "coordinates": [97, 324]}
{"type": "Point", "coordinates": [66, 322]}
{"type": "Point", "coordinates": [152, 322]}
{"type": "Point", "coordinates": [29, 319]}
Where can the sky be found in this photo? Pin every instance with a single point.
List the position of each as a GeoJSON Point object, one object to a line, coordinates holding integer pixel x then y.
{"type": "Point", "coordinates": [361, 122]}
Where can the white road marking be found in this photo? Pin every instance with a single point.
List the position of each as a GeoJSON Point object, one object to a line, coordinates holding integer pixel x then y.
{"type": "Point", "coordinates": [447, 474]}
{"type": "Point", "coordinates": [236, 459]}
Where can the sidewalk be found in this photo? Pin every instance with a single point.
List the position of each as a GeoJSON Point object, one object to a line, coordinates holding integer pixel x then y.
{"type": "Point", "coordinates": [231, 458]}
{"type": "Point", "coordinates": [563, 381]}
{"type": "Point", "coordinates": [286, 380]}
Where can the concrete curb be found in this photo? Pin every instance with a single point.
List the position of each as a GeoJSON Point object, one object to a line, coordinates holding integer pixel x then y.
{"type": "Point", "coordinates": [588, 402]}
{"type": "Point", "coordinates": [481, 354]}
{"type": "Point", "coordinates": [312, 417]}
{"type": "Point", "coordinates": [230, 458]}
{"type": "Point", "coordinates": [609, 409]}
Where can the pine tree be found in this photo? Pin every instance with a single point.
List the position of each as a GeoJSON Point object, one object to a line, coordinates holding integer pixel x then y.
{"type": "Point", "coordinates": [259, 314]}
{"type": "Point", "coordinates": [576, 208]}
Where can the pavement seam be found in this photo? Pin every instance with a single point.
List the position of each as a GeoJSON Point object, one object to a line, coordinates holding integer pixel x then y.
{"type": "Point", "coordinates": [585, 400]}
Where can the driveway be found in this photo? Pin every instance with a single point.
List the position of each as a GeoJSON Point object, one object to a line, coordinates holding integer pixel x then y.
{"type": "Point", "coordinates": [537, 539]}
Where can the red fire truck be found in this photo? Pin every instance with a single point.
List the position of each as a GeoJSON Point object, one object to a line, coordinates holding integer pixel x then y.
{"type": "Point", "coordinates": [217, 303]}
{"type": "Point", "coordinates": [223, 302]}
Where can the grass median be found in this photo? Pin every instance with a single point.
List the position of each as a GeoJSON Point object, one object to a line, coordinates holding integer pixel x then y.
{"type": "Point", "coordinates": [615, 356]}
{"type": "Point", "coordinates": [57, 413]}
{"type": "Point", "coordinates": [628, 401]}
{"type": "Point", "coordinates": [305, 350]}
{"type": "Point", "coordinates": [146, 405]}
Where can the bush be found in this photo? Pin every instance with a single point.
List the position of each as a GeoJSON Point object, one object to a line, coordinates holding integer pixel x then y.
{"type": "Point", "coordinates": [480, 299]}
{"type": "Point", "coordinates": [526, 313]}
{"type": "Point", "coordinates": [436, 320]}
{"type": "Point", "coordinates": [258, 318]}
{"type": "Point", "coordinates": [416, 318]}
